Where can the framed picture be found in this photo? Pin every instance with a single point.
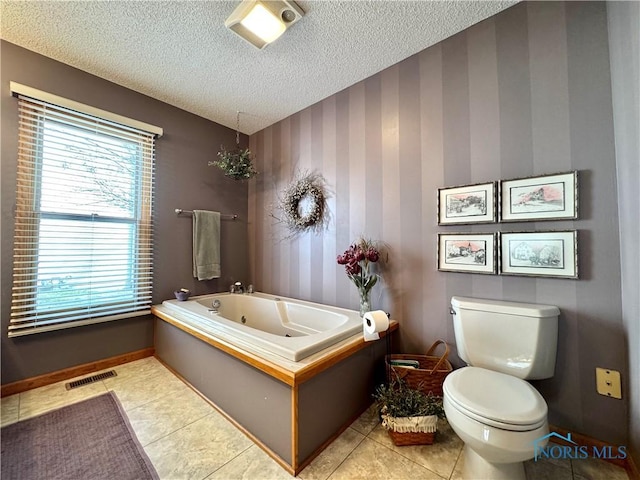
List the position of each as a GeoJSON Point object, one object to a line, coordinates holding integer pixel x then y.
{"type": "Point", "coordinates": [539, 254]}
{"type": "Point", "coordinates": [467, 252]}
{"type": "Point", "coordinates": [467, 204]}
{"type": "Point", "coordinates": [549, 197]}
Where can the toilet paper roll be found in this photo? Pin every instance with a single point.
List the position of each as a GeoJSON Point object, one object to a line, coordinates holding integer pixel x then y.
{"type": "Point", "coordinates": [373, 323]}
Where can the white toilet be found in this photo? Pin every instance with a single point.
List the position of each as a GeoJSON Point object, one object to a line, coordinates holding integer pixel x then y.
{"type": "Point", "coordinates": [497, 414]}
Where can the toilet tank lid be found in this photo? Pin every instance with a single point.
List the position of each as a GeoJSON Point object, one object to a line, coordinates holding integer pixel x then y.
{"type": "Point", "coordinates": [509, 308]}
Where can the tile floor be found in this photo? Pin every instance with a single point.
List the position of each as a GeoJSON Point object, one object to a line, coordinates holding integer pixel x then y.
{"type": "Point", "coordinates": [186, 438]}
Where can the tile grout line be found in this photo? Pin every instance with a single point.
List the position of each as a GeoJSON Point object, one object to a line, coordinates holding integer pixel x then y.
{"type": "Point", "coordinates": [405, 457]}
{"type": "Point", "coordinates": [413, 461]}
{"type": "Point", "coordinates": [176, 430]}
{"type": "Point", "coordinates": [344, 459]}
{"type": "Point", "coordinates": [228, 461]}
{"type": "Point", "coordinates": [455, 464]}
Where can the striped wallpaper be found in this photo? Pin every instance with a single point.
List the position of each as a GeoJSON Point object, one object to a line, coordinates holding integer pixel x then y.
{"type": "Point", "coordinates": [523, 93]}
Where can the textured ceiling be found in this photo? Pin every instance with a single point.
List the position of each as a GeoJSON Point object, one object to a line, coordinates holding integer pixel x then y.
{"type": "Point", "coordinates": [180, 52]}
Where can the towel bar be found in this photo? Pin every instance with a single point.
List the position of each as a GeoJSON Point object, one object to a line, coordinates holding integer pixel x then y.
{"type": "Point", "coordinates": [222, 215]}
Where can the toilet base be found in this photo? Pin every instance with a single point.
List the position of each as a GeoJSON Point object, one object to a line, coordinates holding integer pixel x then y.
{"type": "Point", "coordinates": [476, 467]}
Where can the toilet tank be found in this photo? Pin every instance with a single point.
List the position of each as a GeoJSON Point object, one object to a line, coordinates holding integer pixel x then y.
{"type": "Point", "coordinates": [518, 339]}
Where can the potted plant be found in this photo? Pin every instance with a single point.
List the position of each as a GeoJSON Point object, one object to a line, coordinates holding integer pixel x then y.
{"type": "Point", "coordinates": [236, 164]}
{"type": "Point", "coordinates": [410, 416]}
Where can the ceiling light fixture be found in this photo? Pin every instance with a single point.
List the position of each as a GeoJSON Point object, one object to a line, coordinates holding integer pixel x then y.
{"type": "Point", "coordinates": [261, 22]}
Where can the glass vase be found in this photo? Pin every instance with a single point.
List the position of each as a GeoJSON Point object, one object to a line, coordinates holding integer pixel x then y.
{"type": "Point", "coordinates": [365, 303]}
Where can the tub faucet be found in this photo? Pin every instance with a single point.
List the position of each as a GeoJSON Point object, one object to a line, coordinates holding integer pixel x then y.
{"type": "Point", "coordinates": [238, 287]}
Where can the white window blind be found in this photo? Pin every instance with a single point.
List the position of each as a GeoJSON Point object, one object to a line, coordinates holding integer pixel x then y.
{"type": "Point", "coordinates": [83, 220]}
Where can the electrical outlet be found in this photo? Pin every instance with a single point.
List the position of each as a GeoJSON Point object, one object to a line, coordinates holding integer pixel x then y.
{"type": "Point", "coordinates": [608, 383]}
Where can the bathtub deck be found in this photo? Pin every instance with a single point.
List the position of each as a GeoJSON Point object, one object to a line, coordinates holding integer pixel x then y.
{"type": "Point", "coordinates": [291, 373]}
{"type": "Point", "coordinates": [292, 410]}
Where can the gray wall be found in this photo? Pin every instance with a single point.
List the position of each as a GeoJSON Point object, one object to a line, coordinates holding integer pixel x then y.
{"type": "Point", "coordinates": [624, 47]}
{"type": "Point", "coordinates": [257, 401]}
{"type": "Point", "coordinates": [523, 93]}
{"type": "Point", "coordinates": [183, 180]}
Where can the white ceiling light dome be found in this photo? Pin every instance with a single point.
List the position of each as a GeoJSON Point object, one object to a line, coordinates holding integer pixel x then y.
{"type": "Point", "coordinates": [262, 22]}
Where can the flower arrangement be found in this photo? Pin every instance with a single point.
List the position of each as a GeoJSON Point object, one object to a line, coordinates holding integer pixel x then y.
{"type": "Point", "coordinates": [358, 262]}
{"type": "Point", "coordinates": [236, 164]}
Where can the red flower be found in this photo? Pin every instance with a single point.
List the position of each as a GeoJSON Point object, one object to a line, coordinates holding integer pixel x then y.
{"type": "Point", "coordinates": [343, 259]}
{"type": "Point", "coordinates": [353, 268]}
{"type": "Point", "coordinates": [357, 261]}
{"type": "Point", "coordinates": [372, 254]}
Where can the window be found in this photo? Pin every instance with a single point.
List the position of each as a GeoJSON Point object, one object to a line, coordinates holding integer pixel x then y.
{"type": "Point", "coordinates": [83, 220]}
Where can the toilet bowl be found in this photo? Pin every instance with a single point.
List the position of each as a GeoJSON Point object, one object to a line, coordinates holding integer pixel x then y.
{"type": "Point", "coordinates": [498, 417]}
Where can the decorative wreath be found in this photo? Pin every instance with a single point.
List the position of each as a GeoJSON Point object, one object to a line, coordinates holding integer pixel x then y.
{"type": "Point", "coordinates": [304, 204]}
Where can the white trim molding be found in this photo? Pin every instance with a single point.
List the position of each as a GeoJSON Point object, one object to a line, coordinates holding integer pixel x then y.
{"type": "Point", "coordinates": [19, 89]}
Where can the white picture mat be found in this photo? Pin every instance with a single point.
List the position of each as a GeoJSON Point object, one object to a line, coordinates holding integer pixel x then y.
{"type": "Point", "coordinates": [451, 261]}
{"type": "Point", "coordinates": [548, 197]}
{"type": "Point", "coordinates": [549, 254]}
{"type": "Point", "coordinates": [467, 213]}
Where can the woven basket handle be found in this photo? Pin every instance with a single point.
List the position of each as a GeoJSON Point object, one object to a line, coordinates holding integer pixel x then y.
{"type": "Point", "coordinates": [444, 356]}
{"type": "Point", "coordinates": [400, 373]}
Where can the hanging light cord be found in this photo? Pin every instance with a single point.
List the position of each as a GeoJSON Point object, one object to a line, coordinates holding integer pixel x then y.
{"type": "Point", "coordinates": [238, 129]}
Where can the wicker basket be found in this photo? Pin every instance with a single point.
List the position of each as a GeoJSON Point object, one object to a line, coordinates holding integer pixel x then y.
{"type": "Point", "coordinates": [402, 439]}
{"type": "Point", "coordinates": [411, 430]}
{"type": "Point", "coordinates": [430, 374]}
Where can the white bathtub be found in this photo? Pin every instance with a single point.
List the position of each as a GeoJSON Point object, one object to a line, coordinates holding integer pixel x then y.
{"type": "Point", "coordinates": [292, 329]}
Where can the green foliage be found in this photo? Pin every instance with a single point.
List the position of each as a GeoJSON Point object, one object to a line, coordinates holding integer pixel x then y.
{"type": "Point", "coordinates": [236, 164]}
{"type": "Point", "coordinates": [398, 400]}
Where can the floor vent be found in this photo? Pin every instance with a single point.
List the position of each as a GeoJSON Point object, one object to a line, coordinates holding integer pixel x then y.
{"type": "Point", "coordinates": [91, 379]}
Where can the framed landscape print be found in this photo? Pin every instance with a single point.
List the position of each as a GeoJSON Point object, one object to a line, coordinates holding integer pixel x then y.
{"type": "Point", "coordinates": [467, 204]}
{"type": "Point", "coordinates": [467, 252]}
{"type": "Point", "coordinates": [539, 254]}
{"type": "Point", "coordinates": [548, 197]}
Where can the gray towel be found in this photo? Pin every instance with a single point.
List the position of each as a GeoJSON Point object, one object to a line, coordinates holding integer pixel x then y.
{"type": "Point", "coordinates": [206, 244]}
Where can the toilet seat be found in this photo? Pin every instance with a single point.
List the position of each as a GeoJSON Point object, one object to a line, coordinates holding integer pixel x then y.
{"type": "Point", "coordinates": [495, 399]}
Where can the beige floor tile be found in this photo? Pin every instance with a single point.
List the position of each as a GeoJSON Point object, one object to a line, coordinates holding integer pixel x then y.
{"type": "Point", "coordinates": [165, 415]}
{"type": "Point", "coordinates": [186, 438]}
{"type": "Point", "coordinates": [366, 422]}
{"type": "Point", "coordinates": [440, 457]}
{"type": "Point", "coordinates": [540, 470]}
{"type": "Point", "coordinates": [141, 367]}
{"type": "Point", "coordinates": [135, 390]}
{"type": "Point", "coordinates": [372, 461]}
{"type": "Point", "coordinates": [596, 469]}
{"type": "Point", "coordinates": [198, 449]}
{"type": "Point", "coordinates": [546, 470]}
{"type": "Point", "coordinates": [50, 397]}
{"type": "Point", "coordinates": [561, 462]}
{"type": "Point", "coordinates": [332, 456]}
{"type": "Point", "coordinates": [251, 464]}
{"type": "Point", "coordinates": [131, 369]}
{"type": "Point", "coordinates": [459, 467]}
{"type": "Point", "coordinates": [10, 409]}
